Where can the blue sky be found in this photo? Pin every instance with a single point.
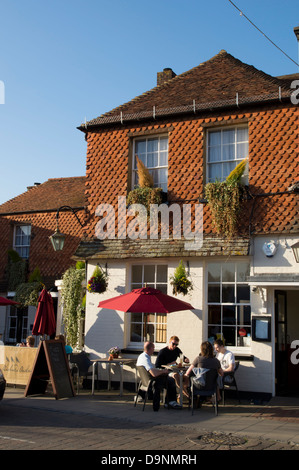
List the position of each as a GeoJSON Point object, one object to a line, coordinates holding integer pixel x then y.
{"type": "Point", "coordinates": [64, 61]}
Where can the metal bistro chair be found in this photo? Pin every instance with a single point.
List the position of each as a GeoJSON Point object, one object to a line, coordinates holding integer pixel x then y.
{"type": "Point", "coordinates": [145, 385]}
{"type": "Point", "coordinates": [210, 390]}
{"type": "Point", "coordinates": [80, 364]}
{"type": "Point", "coordinates": [229, 380]}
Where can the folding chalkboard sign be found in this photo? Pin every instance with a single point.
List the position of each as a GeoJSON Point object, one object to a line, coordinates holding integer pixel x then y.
{"type": "Point", "coordinates": [51, 363]}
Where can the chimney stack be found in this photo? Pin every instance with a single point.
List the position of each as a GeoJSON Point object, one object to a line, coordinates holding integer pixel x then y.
{"type": "Point", "coordinates": [165, 76]}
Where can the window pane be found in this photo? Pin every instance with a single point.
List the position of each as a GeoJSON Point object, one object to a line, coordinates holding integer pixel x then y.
{"type": "Point", "coordinates": [227, 168]}
{"type": "Point", "coordinates": [163, 143]}
{"type": "Point", "coordinates": [228, 272]}
{"type": "Point", "coordinates": [214, 314]}
{"type": "Point", "coordinates": [229, 334]}
{"type": "Point", "coordinates": [214, 332]}
{"type": "Point", "coordinates": [229, 315]}
{"type": "Point", "coordinates": [137, 273]}
{"type": "Point", "coordinates": [136, 317]}
{"type": "Point", "coordinates": [228, 152]}
{"type": "Point", "coordinates": [228, 293]}
{"type": "Point", "coordinates": [242, 134]}
{"type": "Point", "coordinates": [215, 172]}
{"type": "Point", "coordinates": [244, 315]}
{"type": "Point", "coordinates": [243, 271]}
{"type": "Point", "coordinates": [228, 136]}
{"type": "Point", "coordinates": [214, 271]}
{"type": "Point", "coordinates": [152, 145]}
{"type": "Point", "coordinates": [136, 332]}
{"type": "Point", "coordinates": [149, 273]}
{"type": "Point", "coordinates": [243, 294]}
{"type": "Point", "coordinates": [214, 293]}
{"type": "Point", "coordinates": [152, 160]}
{"type": "Point", "coordinates": [162, 273]}
{"type": "Point", "coordinates": [163, 159]}
{"type": "Point", "coordinates": [214, 138]}
{"type": "Point", "coordinates": [242, 150]}
{"type": "Point", "coordinates": [162, 288]}
{"type": "Point", "coordinates": [215, 154]}
{"type": "Point", "coordinates": [140, 147]}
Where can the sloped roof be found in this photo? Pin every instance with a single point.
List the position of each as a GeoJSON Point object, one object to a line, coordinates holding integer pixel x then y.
{"type": "Point", "coordinates": [223, 80]}
{"type": "Point", "coordinates": [51, 195]}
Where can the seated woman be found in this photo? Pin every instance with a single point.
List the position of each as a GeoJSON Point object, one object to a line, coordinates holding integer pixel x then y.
{"type": "Point", "coordinates": [204, 360]}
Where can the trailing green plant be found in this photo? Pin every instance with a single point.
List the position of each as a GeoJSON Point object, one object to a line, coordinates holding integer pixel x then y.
{"type": "Point", "coordinates": [16, 270]}
{"type": "Point", "coordinates": [35, 276]}
{"type": "Point", "coordinates": [145, 196]}
{"type": "Point", "coordinates": [225, 200]}
{"type": "Point", "coordinates": [179, 281]}
{"type": "Point", "coordinates": [145, 193]}
{"type": "Point", "coordinates": [72, 294]}
{"type": "Point", "coordinates": [27, 293]}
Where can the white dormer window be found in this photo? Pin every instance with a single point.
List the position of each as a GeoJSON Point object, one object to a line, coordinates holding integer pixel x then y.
{"type": "Point", "coordinates": [22, 240]}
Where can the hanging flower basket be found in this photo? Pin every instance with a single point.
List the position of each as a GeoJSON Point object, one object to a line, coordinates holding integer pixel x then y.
{"type": "Point", "coordinates": [98, 283]}
{"type": "Point", "coordinates": [180, 282]}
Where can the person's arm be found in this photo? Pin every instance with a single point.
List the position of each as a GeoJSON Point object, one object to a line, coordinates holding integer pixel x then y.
{"type": "Point", "coordinates": [156, 372]}
{"type": "Point", "coordinates": [189, 370]}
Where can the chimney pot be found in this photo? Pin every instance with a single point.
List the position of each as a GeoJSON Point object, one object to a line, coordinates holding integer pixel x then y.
{"type": "Point", "coordinates": [165, 76]}
{"type": "Point", "coordinates": [296, 32]}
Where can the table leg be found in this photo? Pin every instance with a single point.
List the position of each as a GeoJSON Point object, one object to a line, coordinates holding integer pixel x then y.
{"type": "Point", "coordinates": [109, 376]}
{"type": "Point", "coordinates": [181, 388]}
{"type": "Point", "coordinates": [93, 377]}
{"type": "Point", "coordinates": [121, 385]}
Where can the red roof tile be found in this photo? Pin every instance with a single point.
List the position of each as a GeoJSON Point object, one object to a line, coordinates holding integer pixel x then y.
{"type": "Point", "coordinates": [51, 195]}
{"type": "Point", "coordinates": [220, 80]}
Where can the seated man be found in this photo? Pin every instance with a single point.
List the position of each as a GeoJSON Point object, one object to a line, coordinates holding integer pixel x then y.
{"type": "Point", "coordinates": [169, 355]}
{"type": "Point", "coordinates": [227, 361]}
{"type": "Point", "coordinates": [226, 357]}
{"type": "Point", "coordinates": [160, 376]}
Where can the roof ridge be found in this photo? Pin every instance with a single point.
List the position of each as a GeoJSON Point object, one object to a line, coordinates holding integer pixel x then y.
{"type": "Point", "coordinates": [222, 54]}
{"type": "Point", "coordinates": [15, 200]}
{"type": "Point", "coordinates": [152, 90]}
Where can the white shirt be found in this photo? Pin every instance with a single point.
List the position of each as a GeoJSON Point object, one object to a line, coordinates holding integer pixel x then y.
{"type": "Point", "coordinates": [145, 360]}
{"type": "Point", "coordinates": [226, 359]}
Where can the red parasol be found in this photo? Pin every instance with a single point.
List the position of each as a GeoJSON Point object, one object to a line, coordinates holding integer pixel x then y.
{"type": "Point", "coordinates": [4, 301]}
{"type": "Point", "coordinates": [147, 300]}
{"type": "Point", "coordinates": [44, 323]}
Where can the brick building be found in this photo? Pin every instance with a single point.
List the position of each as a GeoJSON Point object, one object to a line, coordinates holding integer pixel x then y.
{"type": "Point", "coordinates": [27, 221]}
{"type": "Point", "coordinates": [189, 130]}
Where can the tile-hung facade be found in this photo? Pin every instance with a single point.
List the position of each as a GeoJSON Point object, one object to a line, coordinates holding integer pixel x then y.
{"type": "Point", "coordinates": [189, 130]}
{"type": "Point", "coordinates": [27, 221]}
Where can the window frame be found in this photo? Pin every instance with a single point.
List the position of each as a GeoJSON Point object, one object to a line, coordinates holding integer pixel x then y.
{"type": "Point", "coordinates": [222, 161]}
{"type": "Point", "coordinates": [19, 247]}
{"type": "Point", "coordinates": [151, 169]}
{"type": "Point", "coordinates": [156, 322]}
{"type": "Point", "coordinates": [237, 305]}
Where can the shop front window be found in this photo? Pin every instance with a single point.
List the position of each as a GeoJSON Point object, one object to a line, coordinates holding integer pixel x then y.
{"type": "Point", "coordinates": [229, 311]}
{"type": "Point", "coordinates": [148, 326]}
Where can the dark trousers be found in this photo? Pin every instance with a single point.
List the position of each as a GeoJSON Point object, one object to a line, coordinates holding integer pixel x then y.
{"type": "Point", "coordinates": [158, 385]}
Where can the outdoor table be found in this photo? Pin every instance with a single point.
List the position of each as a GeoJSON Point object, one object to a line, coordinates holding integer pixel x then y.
{"type": "Point", "coordinates": [181, 370]}
{"type": "Point", "coordinates": [120, 362]}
